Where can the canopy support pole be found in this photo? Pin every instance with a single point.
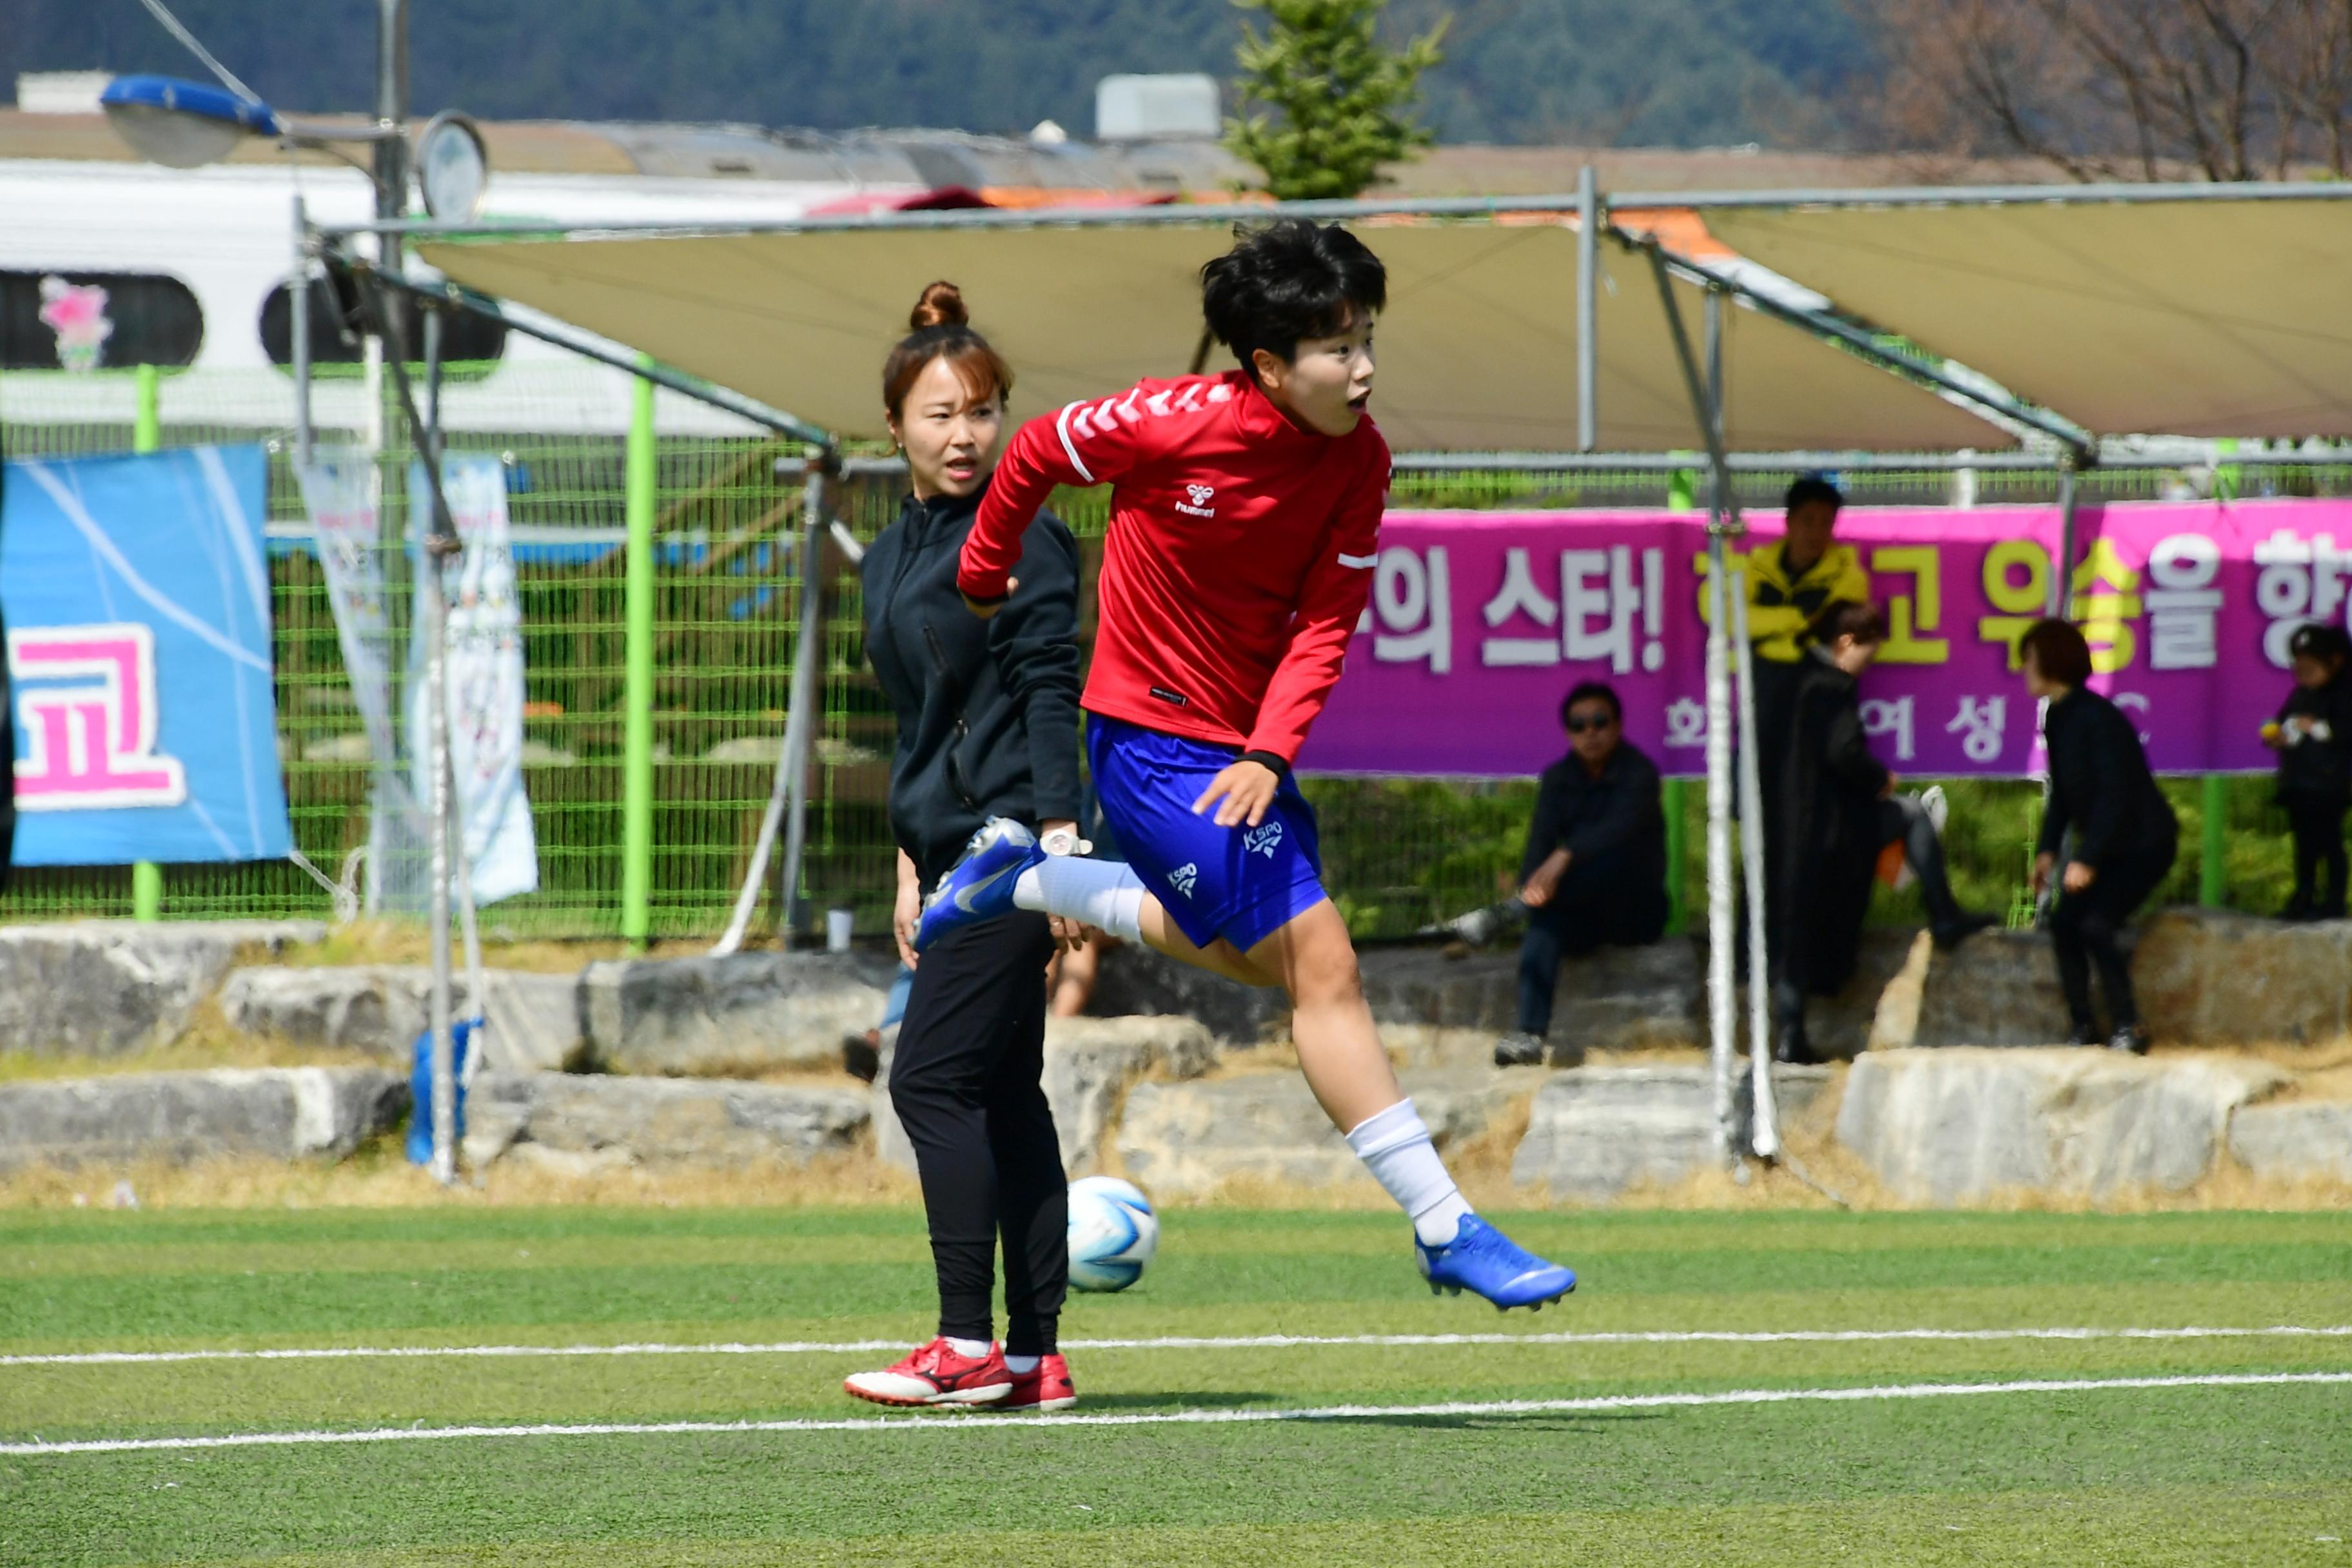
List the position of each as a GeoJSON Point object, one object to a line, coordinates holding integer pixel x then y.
{"type": "Point", "coordinates": [1588, 286]}
{"type": "Point", "coordinates": [440, 542]}
{"type": "Point", "coordinates": [2061, 572]}
{"type": "Point", "coordinates": [1764, 1128]}
{"type": "Point", "coordinates": [801, 724]}
{"type": "Point", "coordinates": [1722, 522]}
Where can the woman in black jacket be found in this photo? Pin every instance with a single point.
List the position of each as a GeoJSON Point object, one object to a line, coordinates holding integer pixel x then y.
{"type": "Point", "coordinates": [2123, 833]}
{"type": "Point", "coordinates": [988, 727]}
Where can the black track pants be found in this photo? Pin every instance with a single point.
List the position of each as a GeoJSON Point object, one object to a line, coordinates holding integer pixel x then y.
{"type": "Point", "coordinates": [2086, 929]}
{"type": "Point", "coordinates": [965, 1083]}
{"type": "Point", "coordinates": [2318, 821]}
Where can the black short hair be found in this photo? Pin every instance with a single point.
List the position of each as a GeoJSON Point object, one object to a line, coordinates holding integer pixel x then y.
{"type": "Point", "coordinates": [2060, 651]}
{"type": "Point", "coordinates": [1813, 488]}
{"type": "Point", "coordinates": [1862, 623]}
{"type": "Point", "coordinates": [1289, 280]}
{"type": "Point", "coordinates": [1592, 691]}
{"type": "Point", "coordinates": [2320, 641]}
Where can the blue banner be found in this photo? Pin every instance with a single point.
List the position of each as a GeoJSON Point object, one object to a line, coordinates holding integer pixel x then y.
{"type": "Point", "coordinates": [137, 604]}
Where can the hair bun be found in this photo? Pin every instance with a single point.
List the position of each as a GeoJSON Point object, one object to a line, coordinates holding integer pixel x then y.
{"type": "Point", "coordinates": [940, 306]}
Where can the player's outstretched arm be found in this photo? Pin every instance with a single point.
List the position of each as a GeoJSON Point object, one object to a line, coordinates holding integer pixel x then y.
{"type": "Point", "coordinates": [1330, 603]}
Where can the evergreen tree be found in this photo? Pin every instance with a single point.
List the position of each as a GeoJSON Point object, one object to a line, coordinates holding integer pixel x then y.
{"type": "Point", "coordinates": [1341, 96]}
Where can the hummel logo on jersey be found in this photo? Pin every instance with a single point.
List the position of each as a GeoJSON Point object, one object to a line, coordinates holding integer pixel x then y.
{"type": "Point", "coordinates": [1185, 877]}
{"type": "Point", "coordinates": [1264, 840]}
{"type": "Point", "coordinates": [1200, 495]}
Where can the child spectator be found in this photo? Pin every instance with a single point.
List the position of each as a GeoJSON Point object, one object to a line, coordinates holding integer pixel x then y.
{"type": "Point", "coordinates": [2313, 736]}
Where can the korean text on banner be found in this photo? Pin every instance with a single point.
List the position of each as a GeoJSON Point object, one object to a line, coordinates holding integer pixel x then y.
{"type": "Point", "coordinates": [1480, 622]}
{"type": "Point", "coordinates": [137, 604]}
{"type": "Point", "coordinates": [484, 668]}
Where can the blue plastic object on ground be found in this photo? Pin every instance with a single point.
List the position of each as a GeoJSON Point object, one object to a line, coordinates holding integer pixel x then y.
{"type": "Point", "coordinates": [420, 1088]}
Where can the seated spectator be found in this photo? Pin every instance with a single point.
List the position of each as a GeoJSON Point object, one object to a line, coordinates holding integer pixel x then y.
{"type": "Point", "coordinates": [1595, 869]}
{"type": "Point", "coordinates": [1795, 582]}
{"type": "Point", "coordinates": [1831, 808]}
{"type": "Point", "coordinates": [2106, 818]}
{"type": "Point", "coordinates": [2313, 736]}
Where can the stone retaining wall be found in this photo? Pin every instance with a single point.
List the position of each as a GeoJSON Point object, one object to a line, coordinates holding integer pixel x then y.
{"type": "Point", "coordinates": [279, 1113]}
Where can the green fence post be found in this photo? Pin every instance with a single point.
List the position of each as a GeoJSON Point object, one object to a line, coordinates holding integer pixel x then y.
{"type": "Point", "coordinates": [147, 436]}
{"type": "Point", "coordinates": [637, 756]}
{"type": "Point", "coordinates": [2213, 881]}
{"type": "Point", "coordinates": [1676, 841]}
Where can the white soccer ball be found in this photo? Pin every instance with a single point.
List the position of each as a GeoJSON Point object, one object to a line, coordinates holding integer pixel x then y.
{"type": "Point", "coordinates": [1113, 1233]}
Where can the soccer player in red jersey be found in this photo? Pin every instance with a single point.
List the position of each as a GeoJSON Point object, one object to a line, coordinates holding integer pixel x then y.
{"type": "Point", "coordinates": [1245, 515]}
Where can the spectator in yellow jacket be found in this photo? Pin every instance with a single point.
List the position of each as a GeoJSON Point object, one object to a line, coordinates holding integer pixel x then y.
{"type": "Point", "coordinates": [1793, 584]}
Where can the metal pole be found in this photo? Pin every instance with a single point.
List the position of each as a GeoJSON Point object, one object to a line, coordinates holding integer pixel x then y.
{"type": "Point", "coordinates": [298, 325]}
{"type": "Point", "coordinates": [637, 735]}
{"type": "Point", "coordinates": [147, 436]}
{"type": "Point", "coordinates": [1764, 1119]}
{"type": "Point", "coordinates": [1722, 1024]}
{"type": "Point", "coordinates": [2062, 571]}
{"type": "Point", "coordinates": [801, 724]}
{"type": "Point", "coordinates": [1588, 287]}
{"type": "Point", "coordinates": [443, 537]}
{"type": "Point", "coordinates": [390, 170]}
{"type": "Point", "coordinates": [2212, 871]}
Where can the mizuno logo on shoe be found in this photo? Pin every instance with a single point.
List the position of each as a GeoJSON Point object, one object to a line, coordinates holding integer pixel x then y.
{"type": "Point", "coordinates": [1185, 877]}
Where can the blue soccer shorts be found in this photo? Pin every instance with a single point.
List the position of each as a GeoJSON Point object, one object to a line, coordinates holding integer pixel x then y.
{"type": "Point", "coordinates": [1240, 883]}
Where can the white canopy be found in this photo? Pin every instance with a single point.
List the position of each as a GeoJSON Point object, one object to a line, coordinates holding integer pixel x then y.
{"type": "Point", "coordinates": [1478, 347]}
{"type": "Point", "coordinates": [2215, 313]}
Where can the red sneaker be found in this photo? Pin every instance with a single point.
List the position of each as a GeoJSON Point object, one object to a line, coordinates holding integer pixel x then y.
{"type": "Point", "coordinates": [934, 1374]}
{"type": "Point", "coordinates": [1045, 1387]}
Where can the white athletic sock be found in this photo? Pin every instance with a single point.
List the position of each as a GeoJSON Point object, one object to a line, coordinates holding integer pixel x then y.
{"type": "Point", "coordinates": [1022, 1365]}
{"type": "Point", "coordinates": [1394, 1146]}
{"type": "Point", "coordinates": [972, 1349]}
{"type": "Point", "coordinates": [1104, 894]}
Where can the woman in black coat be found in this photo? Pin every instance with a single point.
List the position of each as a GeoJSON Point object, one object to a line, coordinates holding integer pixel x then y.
{"type": "Point", "coordinates": [1823, 828]}
{"type": "Point", "coordinates": [2106, 818]}
{"type": "Point", "coordinates": [988, 728]}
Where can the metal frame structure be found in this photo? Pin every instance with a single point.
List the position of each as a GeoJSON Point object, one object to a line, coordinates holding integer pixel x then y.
{"type": "Point", "coordinates": [2076, 448]}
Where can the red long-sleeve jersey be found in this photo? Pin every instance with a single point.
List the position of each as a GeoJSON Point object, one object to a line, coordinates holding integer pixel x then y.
{"type": "Point", "coordinates": [1239, 560]}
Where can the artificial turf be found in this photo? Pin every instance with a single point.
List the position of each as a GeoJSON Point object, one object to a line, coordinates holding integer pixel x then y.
{"type": "Point", "coordinates": [2257, 1474]}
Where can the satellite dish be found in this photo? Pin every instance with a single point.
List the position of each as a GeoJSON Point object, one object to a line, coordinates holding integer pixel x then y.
{"type": "Point", "coordinates": [183, 124]}
{"type": "Point", "coordinates": [453, 167]}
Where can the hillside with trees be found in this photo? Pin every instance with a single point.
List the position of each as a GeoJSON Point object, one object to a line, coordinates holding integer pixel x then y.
{"type": "Point", "coordinates": [1606, 72]}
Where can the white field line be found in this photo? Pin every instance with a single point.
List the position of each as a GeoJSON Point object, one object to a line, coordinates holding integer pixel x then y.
{"type": "Point", "coordinates": [1191, 1342]}
{"type": "Point", "coordinates": [968, 1422]}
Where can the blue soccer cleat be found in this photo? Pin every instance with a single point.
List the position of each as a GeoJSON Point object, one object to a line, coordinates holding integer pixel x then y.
{"type": "Point", "coordinates": [978, 887]}
{"type": "Point", "coordinates": [1484, 1261]}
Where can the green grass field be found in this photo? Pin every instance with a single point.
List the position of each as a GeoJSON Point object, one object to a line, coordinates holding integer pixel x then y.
{"type": "Point", "coordinates": [1561, 1443]}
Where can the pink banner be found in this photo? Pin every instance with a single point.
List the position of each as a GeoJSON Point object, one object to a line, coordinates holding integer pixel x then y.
{"type": "Point", "coordinates": [1480, 622]}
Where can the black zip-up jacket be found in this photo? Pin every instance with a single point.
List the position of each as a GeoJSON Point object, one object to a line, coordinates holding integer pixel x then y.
{"type": "Point", "coordinates": [2100, 786]}
{"type": "Point", "coordinates": [2314, 767]}
{"type": "Point", "coordinates": [988, 710]}
{"type": "Point", "coordinates": [1614, 822]}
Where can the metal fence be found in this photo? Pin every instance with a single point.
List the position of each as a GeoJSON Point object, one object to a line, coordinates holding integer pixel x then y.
{"type": "Point", "coordinates": [1401, 853]}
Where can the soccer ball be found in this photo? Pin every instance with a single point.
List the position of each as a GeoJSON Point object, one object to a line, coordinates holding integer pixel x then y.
{"type": "Point", "coordinates": [1113, 1233]}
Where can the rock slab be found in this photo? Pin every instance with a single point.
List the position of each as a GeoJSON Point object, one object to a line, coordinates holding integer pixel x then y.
{"type": "Point", "coordinates": [1596, 1133]}
{"type": "Point", "coordinates": [1962, 1123]}
{"type": "Point", "coordinates": [1090, 1066]}
{"type": "Point", "coordinates": [747, 1012]}
{"type": "Point", "coordinates": [535, 1022]}
{"type": "Point", "coordinates": [1191, 1138]}
{"type": "Point", "coordinates": [581, 1123]}
{"type": "Point", "coordinates": [2295, 1141]}
{"type": "Point", "coordinates": [280, 1113]}
{"type": "Point", "coordinates": [111, 987]}
{"type": "Point", "coordinates": [2216, 977]}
